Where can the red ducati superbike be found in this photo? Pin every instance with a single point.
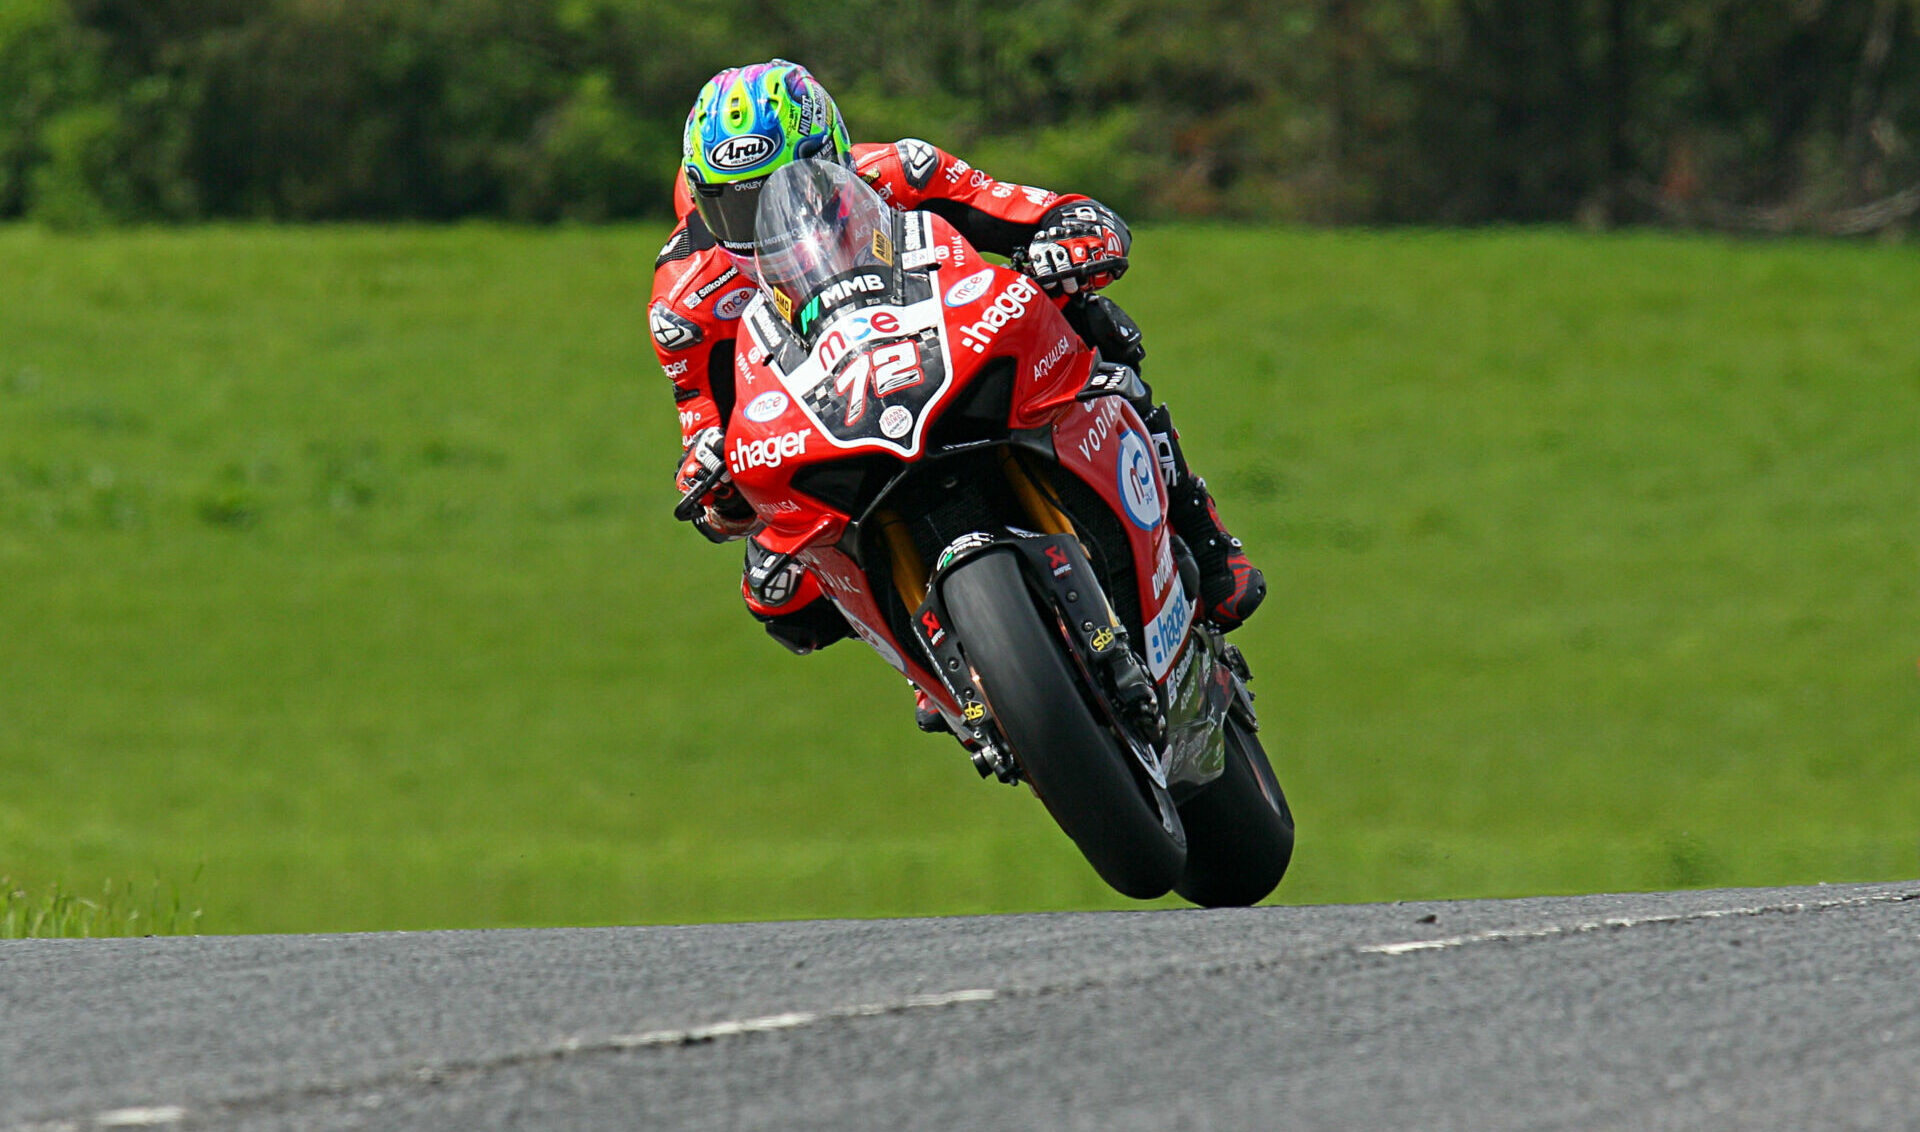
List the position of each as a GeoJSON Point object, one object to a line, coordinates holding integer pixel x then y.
{"type": "Point", "coordinates": [970, 485]}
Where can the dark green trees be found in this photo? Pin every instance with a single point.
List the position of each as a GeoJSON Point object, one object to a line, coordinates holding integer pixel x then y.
{"type": "Point", "coordinates": [1769, 116]}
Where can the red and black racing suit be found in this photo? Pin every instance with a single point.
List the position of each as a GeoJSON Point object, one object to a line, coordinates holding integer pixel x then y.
{"type": "Point", "coordinates": [698, 297]}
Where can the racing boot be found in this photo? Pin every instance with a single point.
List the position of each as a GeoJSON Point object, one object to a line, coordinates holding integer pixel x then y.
{"type": "Point", "coordinates": [927, 717]}
{"type": "Point", "coordinates": [1231, 587]}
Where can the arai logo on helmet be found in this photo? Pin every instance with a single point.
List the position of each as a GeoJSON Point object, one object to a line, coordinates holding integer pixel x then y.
{"type": "Point", "coordinates": [971, 288]}
{"type": "Point", "coordinates": [743, 152]}
{"type": "Point", "coordinates": [766, 407]}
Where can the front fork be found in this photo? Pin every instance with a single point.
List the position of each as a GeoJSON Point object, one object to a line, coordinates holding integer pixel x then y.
{"type": "Point", "coordinates": [1057, 567]}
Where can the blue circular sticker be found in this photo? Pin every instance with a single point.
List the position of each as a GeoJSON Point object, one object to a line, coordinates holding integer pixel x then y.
{"type": "Point", "coordinates": [1138, 491]}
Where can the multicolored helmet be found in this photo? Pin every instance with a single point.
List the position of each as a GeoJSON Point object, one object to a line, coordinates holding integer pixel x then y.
{"type": "Point", "coordinates": [747, 122]}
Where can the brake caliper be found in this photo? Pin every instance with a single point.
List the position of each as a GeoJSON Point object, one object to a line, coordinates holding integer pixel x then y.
{"type": "Point", "coordinates": [1133, 689]}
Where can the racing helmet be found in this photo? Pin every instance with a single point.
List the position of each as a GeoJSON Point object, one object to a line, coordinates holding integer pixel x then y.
{"type": "Point", "coordinates": [747, 122]}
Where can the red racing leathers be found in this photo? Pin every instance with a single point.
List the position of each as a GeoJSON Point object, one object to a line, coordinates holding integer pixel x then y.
{"type": "Point", "coordinates": [698, 297]}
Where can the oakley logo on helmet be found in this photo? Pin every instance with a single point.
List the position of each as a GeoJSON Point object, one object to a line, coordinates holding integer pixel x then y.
{"type": "Point", "coordinates": [743, 152]}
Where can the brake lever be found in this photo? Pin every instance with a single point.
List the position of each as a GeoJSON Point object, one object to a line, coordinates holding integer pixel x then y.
{"type": "Point", "coordinates": [689, 504]}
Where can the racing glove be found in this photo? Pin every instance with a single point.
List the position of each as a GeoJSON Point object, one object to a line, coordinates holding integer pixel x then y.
{"type": "Point", "coordinates": [1078, 246]}
{"type": "Point", "coordinates": [723, 515]}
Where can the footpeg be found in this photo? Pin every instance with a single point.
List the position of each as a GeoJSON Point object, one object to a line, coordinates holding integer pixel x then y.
{"type": "Point", "coordinates": [1237, 661]}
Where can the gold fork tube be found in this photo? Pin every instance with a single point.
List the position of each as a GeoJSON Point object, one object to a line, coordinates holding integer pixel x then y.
{"type": "Point", "coordinates": [1039, 508]}
{"type": "Point", "coordinates": [909, 573]}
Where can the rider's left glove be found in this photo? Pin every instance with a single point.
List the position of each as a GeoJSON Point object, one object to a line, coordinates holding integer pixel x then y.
{"type": "Point", "coordinates": [724, 515]}
{"type": "Point", "coordinates": [1079, 246]}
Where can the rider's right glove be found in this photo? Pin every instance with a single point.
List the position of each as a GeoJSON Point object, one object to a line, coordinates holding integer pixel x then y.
{"type": "Point", "coordinates": [1078, 245]}
{"type": "Point", "coordinates": [723, 515]}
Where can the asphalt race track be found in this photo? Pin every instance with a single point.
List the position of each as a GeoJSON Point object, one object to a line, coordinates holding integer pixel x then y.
{"type": "Point", "coordinates": [1776, 1008]}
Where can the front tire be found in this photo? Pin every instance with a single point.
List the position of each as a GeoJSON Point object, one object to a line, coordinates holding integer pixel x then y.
{"type": "Point", "coordinates": [1076, 765]}
{"type": "Point", "coordinates": [1239, 829]}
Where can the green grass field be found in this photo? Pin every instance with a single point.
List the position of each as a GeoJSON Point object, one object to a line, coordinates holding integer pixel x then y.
{"type": "Point", "coordinates": [337, 563]}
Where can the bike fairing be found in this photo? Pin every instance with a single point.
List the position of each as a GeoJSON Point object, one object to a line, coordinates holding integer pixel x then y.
{"type": "Point", "coordinates": [806, 377]}
{"type": "Point", "coordinates": [874, 351]}
{"type": "Point", "coordinates": [1101, 442]}
{"type": "Point", "coordinates": [996, 216]}
{"type": "Point", "coordinates": [988, 214]}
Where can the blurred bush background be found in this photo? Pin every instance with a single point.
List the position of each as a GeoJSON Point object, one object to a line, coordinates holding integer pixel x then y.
{"type": "Point", "coordinates": [1802, 114]}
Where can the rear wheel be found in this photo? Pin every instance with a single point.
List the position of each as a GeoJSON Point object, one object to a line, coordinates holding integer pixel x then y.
{"type": "Point", "coordinates": [1074, 763]}
{"type": "Point", "coordinates": [1239, 829]}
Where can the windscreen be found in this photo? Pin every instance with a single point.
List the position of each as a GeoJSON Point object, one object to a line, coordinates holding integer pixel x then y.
{"type": "Point", "coordinates": [818, 225]}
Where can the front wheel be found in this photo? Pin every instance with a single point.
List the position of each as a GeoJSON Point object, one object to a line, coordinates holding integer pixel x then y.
{"type": "Point", "coordinates": [1239, 829]}
{"type": "Point", "coordinates": [1074, 764]}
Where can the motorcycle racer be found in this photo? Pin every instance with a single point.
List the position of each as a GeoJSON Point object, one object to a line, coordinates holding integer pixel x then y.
{"type": "Point", "coordinates": [749, 121]}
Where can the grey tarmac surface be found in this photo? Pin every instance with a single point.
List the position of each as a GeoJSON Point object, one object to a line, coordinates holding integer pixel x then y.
{"type": "Point", "coordinates": [1778, 1008]}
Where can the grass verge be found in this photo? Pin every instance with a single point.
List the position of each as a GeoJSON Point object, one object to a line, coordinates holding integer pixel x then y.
{"type": "Point", "coordinates": [119, 909]}
{"type": "Point", "coordinates": [339, 559]}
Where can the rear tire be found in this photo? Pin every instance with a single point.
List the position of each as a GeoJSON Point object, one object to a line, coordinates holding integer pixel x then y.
{"type": "Point", "coordinates": [1076, 766]}
{"type": "Point", "coordinates": [1239, 829]}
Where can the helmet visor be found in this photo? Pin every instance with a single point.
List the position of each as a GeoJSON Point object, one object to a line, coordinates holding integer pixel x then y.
{"type": "Point", "coordinates": [728, 209]}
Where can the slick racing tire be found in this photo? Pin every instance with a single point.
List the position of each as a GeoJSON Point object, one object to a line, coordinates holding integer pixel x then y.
{"type": "Point", "coordinates": [1239, 829]}
{"type": "Point", "coordinates": [1076, 765]}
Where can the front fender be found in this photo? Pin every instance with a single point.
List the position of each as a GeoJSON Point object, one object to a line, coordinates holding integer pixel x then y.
{"type": "Point", "coordinates": [1058, 574]}
{"type": "Point", "coordinates": [1055, 567]}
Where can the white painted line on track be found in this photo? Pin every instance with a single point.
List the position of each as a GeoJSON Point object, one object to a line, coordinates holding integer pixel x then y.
{"type": "Point", "coordinates": [1585, 927]}
{"type": "Point", "coordinates": [793, 1021]}
{"type": "Point", "coordinates": [802, 1019]}
{"type": "Point", "coordinates": [146, 1116]}
{"type": "Point", "coordinates": [162, 1116]}
{"type": "Point", "coordinates": [141, 1117]}
{"type": "Point", "coordinates": [796, 1020]}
